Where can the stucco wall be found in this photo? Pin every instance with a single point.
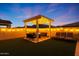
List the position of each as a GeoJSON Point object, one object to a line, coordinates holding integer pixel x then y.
{"type": "Point", "coordinates": [11, 33]}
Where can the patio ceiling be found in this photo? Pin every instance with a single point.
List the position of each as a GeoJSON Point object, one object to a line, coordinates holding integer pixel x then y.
{"type": "Point", "coordinates": [41, 20]}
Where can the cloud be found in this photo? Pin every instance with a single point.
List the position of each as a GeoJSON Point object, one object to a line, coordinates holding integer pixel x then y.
{"type": "Point", "coordinates": [37, 10]}
{"type": "Point", "coordinates": [20, 17]}
{"type": "Point", "coordinates": [15, 8]}
{"type": "Point", "coordinates": [1, 14]}
{"type": "Point", "coordinates": [22, 12]}
{"type": "Point", "coordinates": [69, 13]}
{"type": "Point", "coordinates": [4, 16]}
{"type": "Point", "coordinates": [66, 16]}
{"type": "Point", "coordinates": [52, 7]}
{"type": "Point", "coordinates": [27, 11]}
{"type": "Point", "coordinates": [51, 10]}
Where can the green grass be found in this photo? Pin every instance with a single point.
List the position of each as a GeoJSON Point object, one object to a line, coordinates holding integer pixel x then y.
{"type": "Point", "coordinates": [21, 47]}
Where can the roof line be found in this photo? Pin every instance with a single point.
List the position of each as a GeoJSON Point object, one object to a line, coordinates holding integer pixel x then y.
{"type": "Point", "coordinates": [36, 17]}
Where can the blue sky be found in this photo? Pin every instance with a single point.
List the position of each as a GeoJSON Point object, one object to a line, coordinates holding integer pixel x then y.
{"type": "Point", "coordinates": [61, 13]}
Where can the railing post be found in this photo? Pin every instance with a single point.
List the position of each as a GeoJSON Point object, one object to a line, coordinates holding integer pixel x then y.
{"type": "Point", "coordinates": [37, 30]}
{"type": "Point", "coordinates": [49, 29]}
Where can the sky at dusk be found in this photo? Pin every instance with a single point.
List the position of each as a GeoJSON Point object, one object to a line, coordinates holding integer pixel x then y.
{"type": "Point", "coordinates": [61, 13]}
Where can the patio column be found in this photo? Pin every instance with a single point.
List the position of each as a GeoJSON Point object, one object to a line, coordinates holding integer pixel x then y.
{"type": "Point", "coordinates": [49, 29]}
{"type": "Point", "coordinates": [37, 30]}
{"type": "Point", "coordinates": [25, 29]}
{"type": "Point", "coordinates": [9, 26]}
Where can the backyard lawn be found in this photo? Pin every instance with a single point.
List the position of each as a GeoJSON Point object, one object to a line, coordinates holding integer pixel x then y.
{"type": "Point", "coordinates": [51, 47]}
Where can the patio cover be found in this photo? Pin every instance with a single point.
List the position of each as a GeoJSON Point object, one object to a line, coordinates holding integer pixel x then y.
{"type": "Point", "coordinates": [41, 20]}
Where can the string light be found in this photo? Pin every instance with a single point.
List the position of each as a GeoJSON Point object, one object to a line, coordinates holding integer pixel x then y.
{"type": "Point", "coordinates": [18, 30]}
{"type": "Point", "coordinates": [13, 29]}
{"type": "Point", "coordinates": [3, 29]}
{"type": "Point", "coordinates": [77, 30]}
{"type": "Point", "coordinates": [9, 30]}
{"type": "Point", "coordinates": [71, 30]}
{"type": "Point", "coordinates": [66, 29]}
{"type": "Point", "coordinates": [57, 29]}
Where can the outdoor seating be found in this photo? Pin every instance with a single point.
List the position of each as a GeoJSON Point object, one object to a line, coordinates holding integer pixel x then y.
{"type": "Point", "coordinates": [58, 34]}
{"type": "Point", "coordinates": [31, 35]}
{"type": "Point", "coordinates": [43, 34]}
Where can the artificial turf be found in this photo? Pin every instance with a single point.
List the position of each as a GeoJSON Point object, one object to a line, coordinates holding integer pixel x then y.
{"type": "Point", "coordinates": [51, 47]}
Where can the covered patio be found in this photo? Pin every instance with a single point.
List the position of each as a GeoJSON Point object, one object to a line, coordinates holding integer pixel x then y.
{"type": "Point", "coordinates": [5, 23]}
{"type": "Point", "coordinates": [39, 20]}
